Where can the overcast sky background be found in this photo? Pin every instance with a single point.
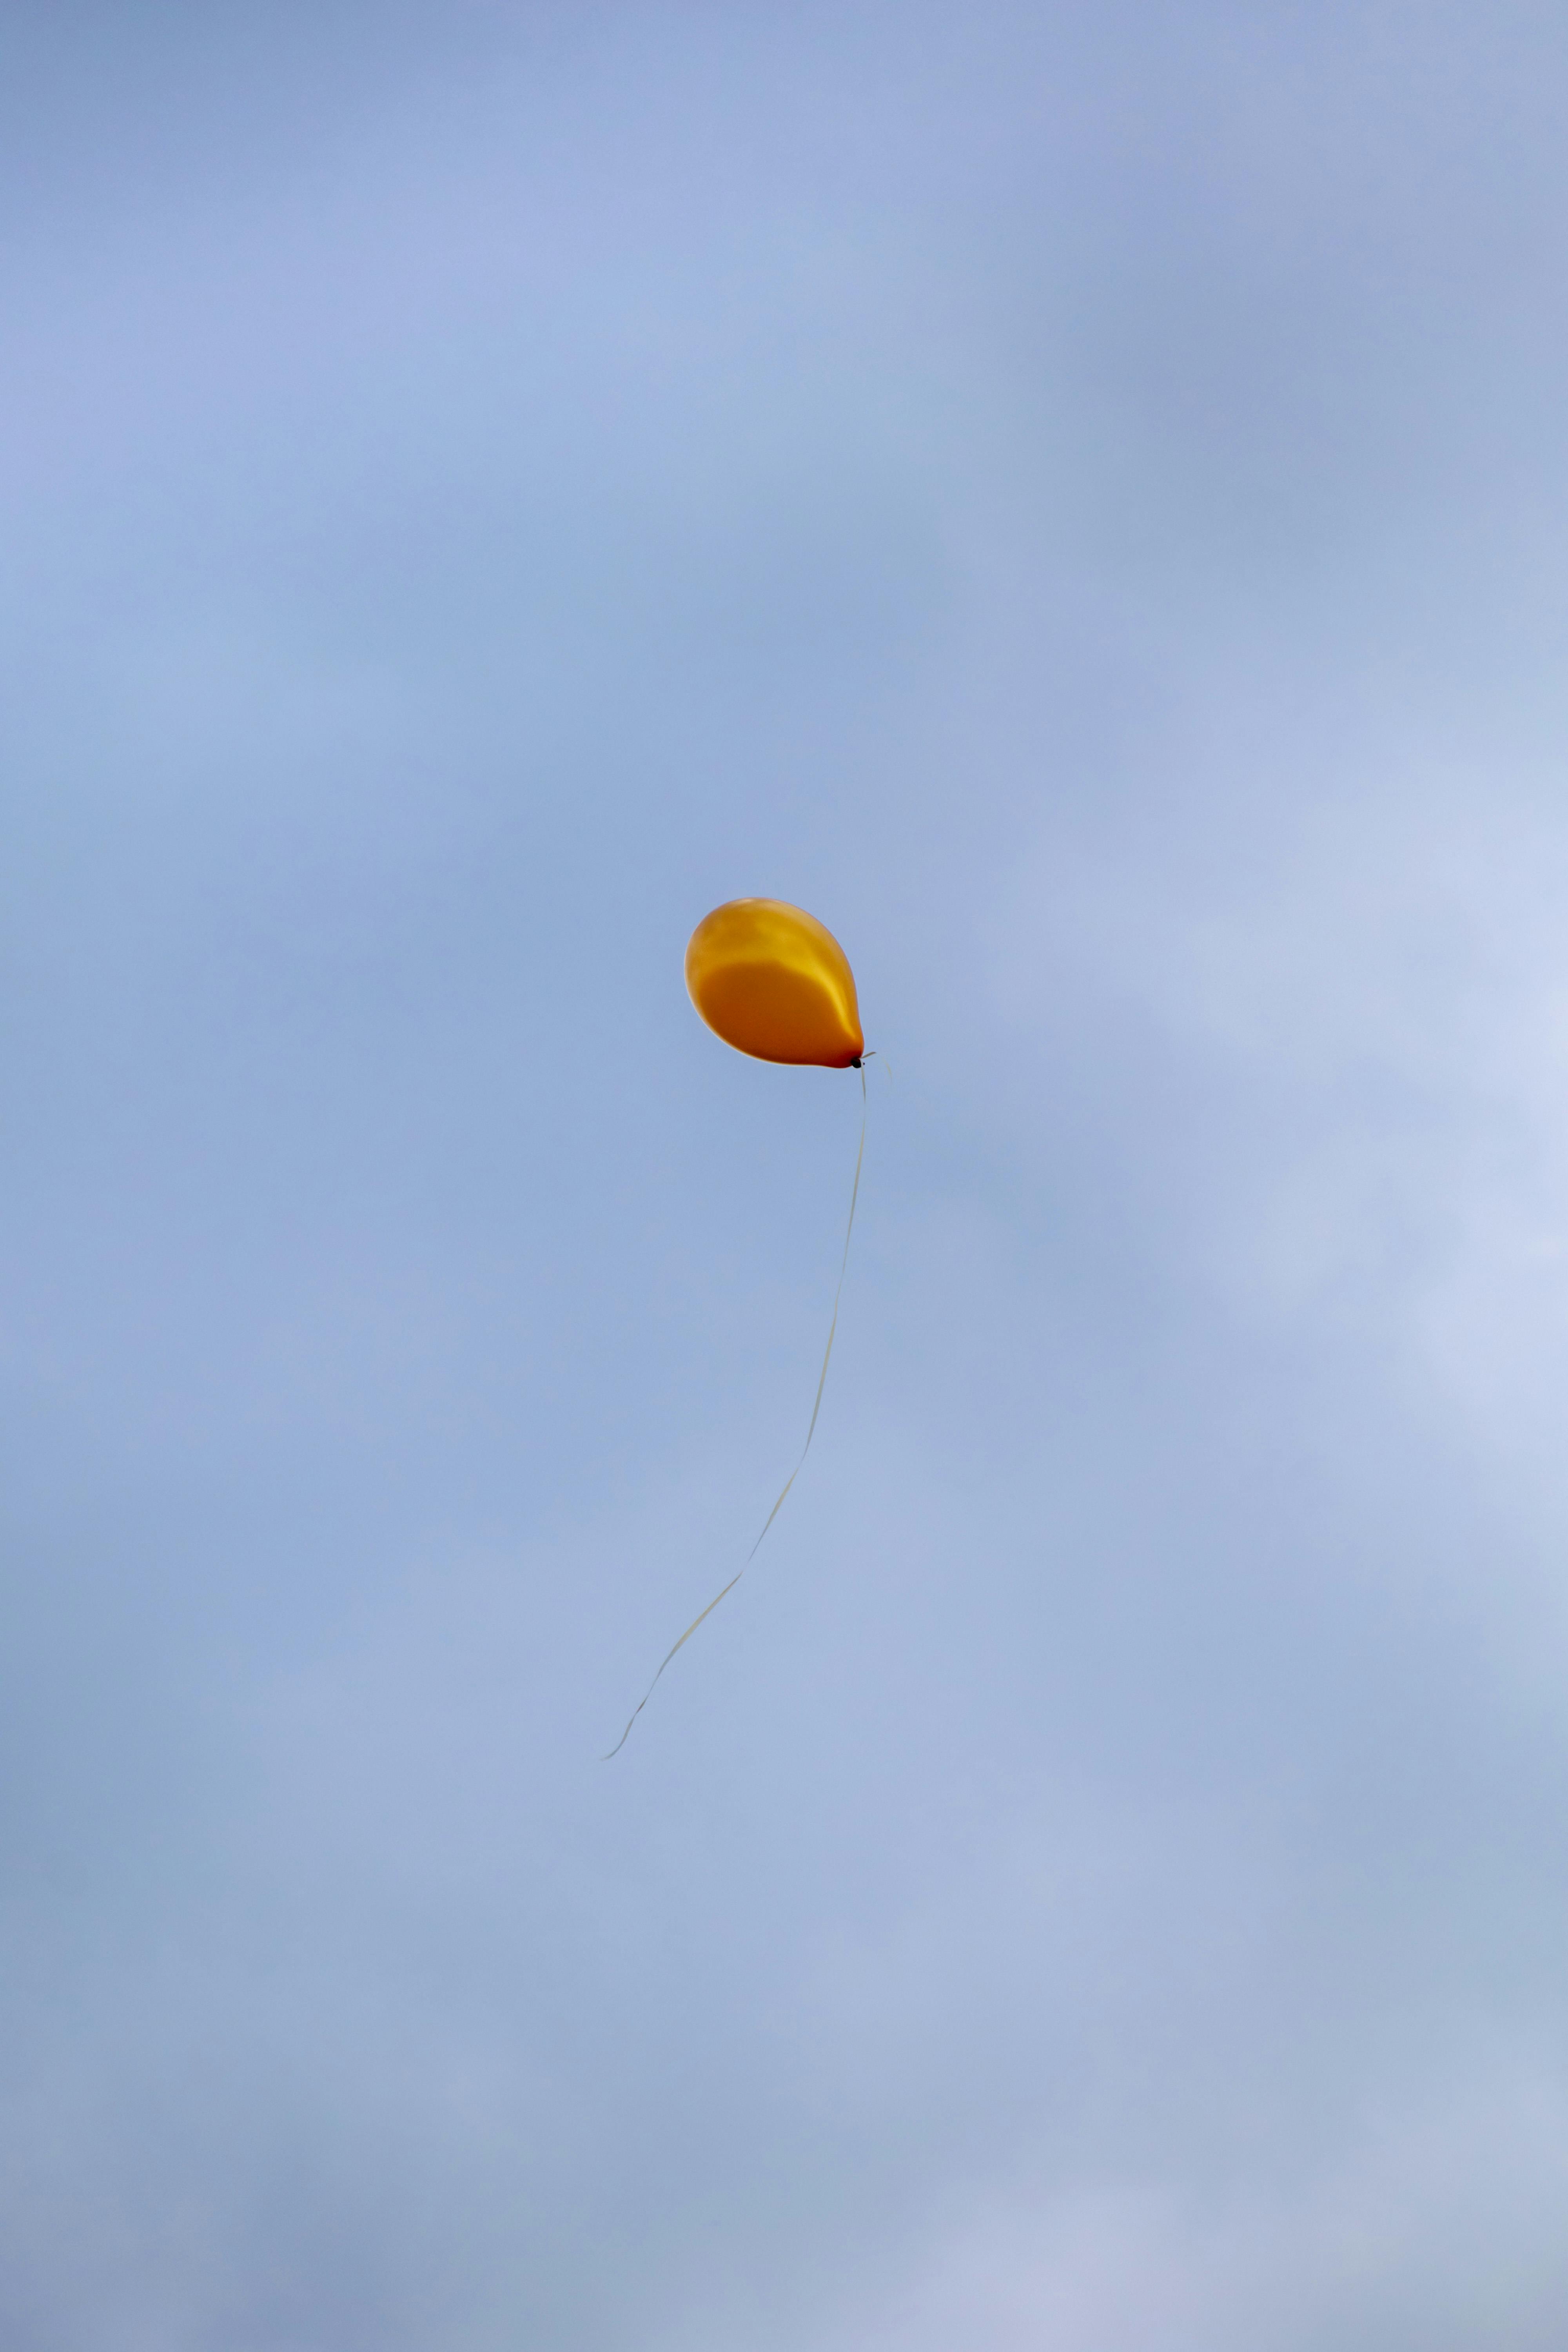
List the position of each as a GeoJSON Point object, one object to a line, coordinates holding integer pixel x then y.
{"type": "Point", "coordinates": [1078, 496]}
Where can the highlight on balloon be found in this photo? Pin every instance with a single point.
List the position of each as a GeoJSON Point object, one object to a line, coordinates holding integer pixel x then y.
{"type": "Point", "coordinates": [774, 983]}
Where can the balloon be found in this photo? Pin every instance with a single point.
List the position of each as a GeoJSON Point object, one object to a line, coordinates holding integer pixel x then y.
{"type": "Point", "coordinates": [774, 983]}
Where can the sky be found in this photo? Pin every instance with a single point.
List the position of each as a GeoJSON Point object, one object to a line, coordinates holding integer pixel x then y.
{"type": "Point", "coordinates": [1077, 499]}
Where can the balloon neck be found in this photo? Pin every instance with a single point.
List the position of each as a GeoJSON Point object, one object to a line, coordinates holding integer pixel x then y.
{"type": "Point", "coordinates": [856, 1064]}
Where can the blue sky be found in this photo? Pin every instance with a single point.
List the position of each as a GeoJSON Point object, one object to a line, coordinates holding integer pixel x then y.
{"type": "Point", "coordinates": [1077, 499]}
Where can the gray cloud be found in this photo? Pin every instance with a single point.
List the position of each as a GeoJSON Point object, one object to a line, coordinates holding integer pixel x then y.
{"type": "Point", "coordinates": [1078, 503]}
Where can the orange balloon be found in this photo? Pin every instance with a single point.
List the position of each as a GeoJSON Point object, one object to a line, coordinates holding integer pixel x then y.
{"type": "Point", "coordinates": [774, 983]}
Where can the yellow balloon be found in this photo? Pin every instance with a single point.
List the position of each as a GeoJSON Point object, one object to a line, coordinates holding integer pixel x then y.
{"type": "Point", "coordinates": [773, 981]}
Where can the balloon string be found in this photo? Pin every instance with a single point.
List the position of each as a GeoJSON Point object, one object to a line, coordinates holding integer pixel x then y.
{"type": "Point", "coordinates": [805, 1449]}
